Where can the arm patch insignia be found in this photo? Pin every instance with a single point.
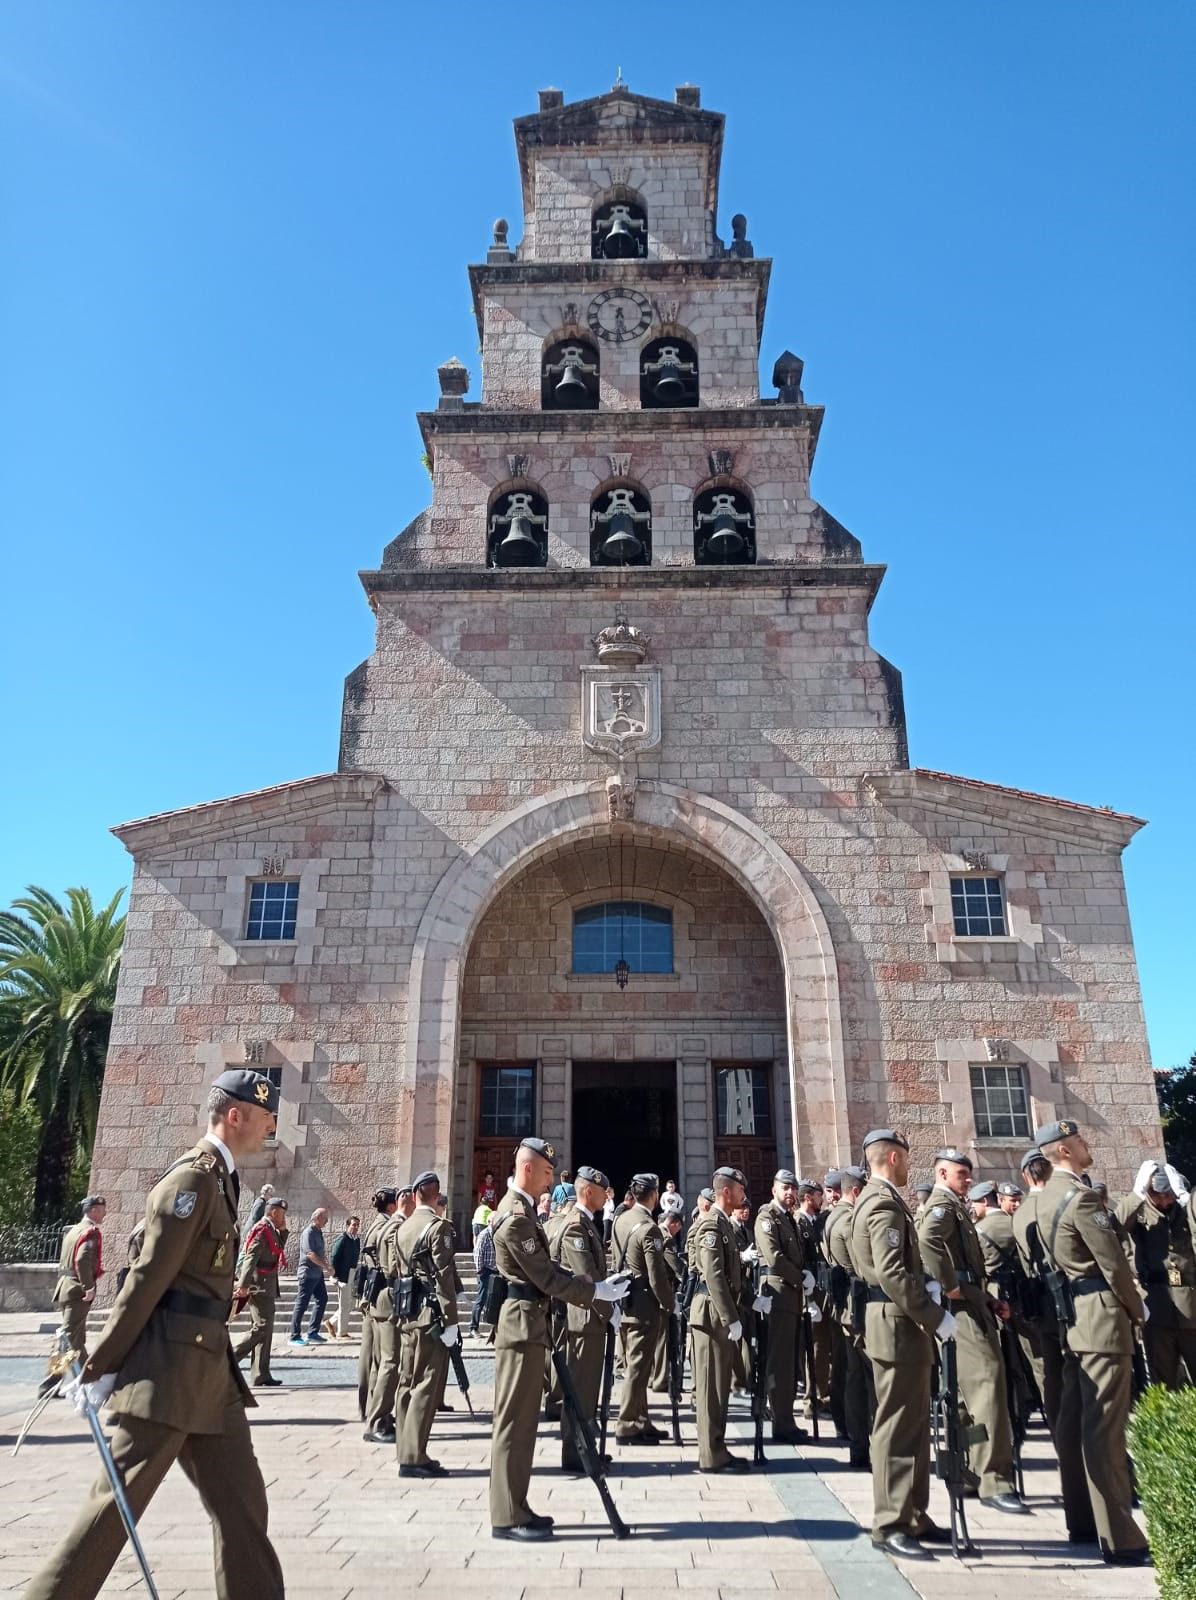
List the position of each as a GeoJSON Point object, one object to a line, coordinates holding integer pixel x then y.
{"type": "Point", "coordinates": [184, 1203]}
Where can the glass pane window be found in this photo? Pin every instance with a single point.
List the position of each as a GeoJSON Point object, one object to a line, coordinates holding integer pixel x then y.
{"type": "Point", "coordinates": [641, 935]}
{"type": "Point", "coordinates": [506, 1106]}
{"type": "Point", "coordinates": [743, 1098]}
{"type": "Point", "coordinates": [1000, 1102]}
{"type": "Point", "coordinates": [272, 908]}
{"type": "Point", "coordinates": [978, 906]}
{"type": "Point", "coordinates": [275, 1076]}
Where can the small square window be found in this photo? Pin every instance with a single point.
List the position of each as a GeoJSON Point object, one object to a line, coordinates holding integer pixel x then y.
{"type": "Point", "coordinates": [506, 1103]}
{"type": "Point", "coordinates": [1000, 1102]}
{"type": "Point", "coordinates": [743, 1102]}
{"type": "Point", "coordinates": [273, 904]}
{"type": "Point", "coordinates": [978, 907]}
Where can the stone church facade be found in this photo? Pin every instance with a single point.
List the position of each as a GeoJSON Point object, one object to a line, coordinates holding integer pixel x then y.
{"type": "Point", "coordinates": [624, 845]}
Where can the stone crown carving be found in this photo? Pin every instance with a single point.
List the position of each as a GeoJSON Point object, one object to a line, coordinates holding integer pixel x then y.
{"type": "Point", "coordinates": [621, 645]}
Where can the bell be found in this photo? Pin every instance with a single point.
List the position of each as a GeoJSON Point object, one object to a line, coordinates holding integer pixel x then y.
{"type": "Point", "coordinates": [620, 243]}
{"type": "Point", "coordinates": [519, 548]}
{"type": "Point", "coordinates": [725, 543]}
{"type": "Point", "coordinates": [571, 390]}
{"type": "Point", "coordinates": [621, 547]}
{"type": "Point", "coordinates": [668, 388]}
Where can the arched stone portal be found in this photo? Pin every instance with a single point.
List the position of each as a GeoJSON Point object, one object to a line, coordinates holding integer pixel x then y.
{"type": "Point", "coordinates": [665, 815]}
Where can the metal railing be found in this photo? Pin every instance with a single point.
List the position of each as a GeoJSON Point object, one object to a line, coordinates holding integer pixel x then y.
{"type": "Point", "coordinates": [31, 1242]}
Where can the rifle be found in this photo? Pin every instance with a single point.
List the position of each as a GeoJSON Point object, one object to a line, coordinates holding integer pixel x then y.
{"type": "Point", "coordinates": [810, 1368]}
{"type": "Point", "coordinates": [760, 1373]}
{"type": "Point", "coordinates": [608, 1380]}
{"type": "Point", "coordinates": [584, 1443]}
{"type": "Point", "coordinates": [1141, 1371]}
{"type": "Point", "coordinates": [676, 1366]}
{"type": "Point", "coordinates": [432, 1301]}
{"type": "Point", "coordinates": [1015, 1397]}
{"type": "Point", "coordinates": [951, 1440]}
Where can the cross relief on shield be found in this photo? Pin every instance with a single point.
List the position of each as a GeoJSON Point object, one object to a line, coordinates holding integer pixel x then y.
{"type": "Point", "coordinates": [621, 709]}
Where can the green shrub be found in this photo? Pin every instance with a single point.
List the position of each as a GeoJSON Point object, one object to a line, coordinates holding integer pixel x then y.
{"type": "Point", "coordinates": [1162, 1436]}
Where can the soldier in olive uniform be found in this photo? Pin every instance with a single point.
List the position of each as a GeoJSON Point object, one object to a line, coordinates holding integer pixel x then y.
{"type": "Point", "coordinates": [424, 1250]}
{"type": "Point", "coordinates": [855, 1384]}
{"type": "Point", "coordinates": [1158, 1219]}
{"type": "Point", "coordinates": [381, 1408]}
{"type": "Point", "coordinates": [810, 1219]}
{"type": "Point", "coordinates": [165, 1361]}
{"type": "Point", "coordinates": [901, 1318]}
{"type": "Point", "coordinates": [952, 1256]}
{"type": "Point", "coordinates": [637, 1247]}
{"type": "Point", "coordinates": [385, 1203]}
{"type": "Point", "coordinates": [521, 1337]}
{"type": "Point", "coordinates": [670, 1227]}
{"type": "Point", "coordinates": [1007, 1281]}
{"type": "Point", "coordinates": [577, 1246]}
{"type": "Point", "coordinates": [721, 1303]}
{"type": "Point", "coordinates": [788, 1279]}
{"type": "Point", "coordinates": [80, 1268]}
{"type": "Point", "coordinates": [258, 1280]}
{"type": "Point", "coordinates": [1077, 1237]}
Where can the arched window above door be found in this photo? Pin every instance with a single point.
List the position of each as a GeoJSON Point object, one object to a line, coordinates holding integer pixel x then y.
{"type": "Point", "coordinates": [623, 930]}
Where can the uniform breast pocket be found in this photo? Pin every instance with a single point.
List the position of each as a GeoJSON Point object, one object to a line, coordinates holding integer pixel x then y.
{"type": "Point", "coordinates": [214, 1249]}
{"type": "Point", "coordinates": [200, 1333]}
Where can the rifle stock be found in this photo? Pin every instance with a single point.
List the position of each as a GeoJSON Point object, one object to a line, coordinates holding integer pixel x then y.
{"type": "Point", "coordinates": [586, 1446]}
{"type": "Point", "coordinates": [760, 1372]}
{"type": "Point", "coordinates": [951, 1440]}
{"type": "Point", "coordinates": [608, 1381]}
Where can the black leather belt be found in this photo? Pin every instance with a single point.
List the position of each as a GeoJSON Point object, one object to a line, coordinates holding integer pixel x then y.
{"type": "Point", "coordinates": [195, 1305]}
{"type": "Point", "coordinates": [524, 1291]}
{"type": "Point", "coordinates": [1156, 1280]}
{"type": "Point", "coordinates": [1088, 1285]}
{"type": "Point", "coordinates": [877, 1296]}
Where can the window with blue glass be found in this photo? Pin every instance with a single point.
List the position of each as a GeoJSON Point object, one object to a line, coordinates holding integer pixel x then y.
{"type": "Point", "coordinates": [506, 1108]}
{"type": "Point", "coordinates": [978, 907]}
{"type": "Point", "coordinates": [627, 930]}
{"type": "Point", "coordinates": [272, 909]}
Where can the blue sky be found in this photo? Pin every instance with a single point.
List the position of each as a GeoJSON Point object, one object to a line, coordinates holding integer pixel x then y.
{"type": "Point", "coordinates": [234, 244]}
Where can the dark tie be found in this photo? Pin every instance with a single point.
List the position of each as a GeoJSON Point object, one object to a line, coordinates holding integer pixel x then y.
{"type": "Point", "coordinates": [236, 1176]}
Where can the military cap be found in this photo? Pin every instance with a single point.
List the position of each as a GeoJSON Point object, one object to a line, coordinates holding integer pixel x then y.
{"type": "Point", "coordinates": [1030, 1155]}
{"type": "Point", "coordinates": [276, 1200]}
{"type": "Point", "coordinates": [959, 1158]}
{"type": "Point", "coordinates": [785, 1176]}
{"type": "Point", "coordinates": [594, 1175]}
{"type": "Point", "coordinates": [853, 1175]}
{"type": "Point", "coordinates": [887, 1136]}
{"type": "Point", "coordinates": [809, 1186]}
{"type": "Point", "coordinates": [1010, 1190]}
{"type": "Point", "coordinates": [423, 1178]}
{"type": "Point", "coordinates": [832, 1179]}
{"type": "Point", "coordinates": [924, 1187]}
{"type": "Point", "coordinates": [386, 1196]}
{"type": "Point", "coordinates": [982, 1191]}
{"type": "Point", "coordinates": [254, 1088]}
{"type": "Point", "coordinates": [1160, 1183]}
{"type": "Point", "coordinates": [729, 1175]}
{"type": "Point", "coordinates": [98, 1200]}
{"type": "Point", "coordinates": [706, 1194]}
{"type": "Point", "coordinates": [1054, 1131]}
{"type": "Point", "coordinates": [404, 1188]}
{"type": "Point", "coordinates": [645, 1180]}
{"type": "Point", "coordinates": [539, 1147]}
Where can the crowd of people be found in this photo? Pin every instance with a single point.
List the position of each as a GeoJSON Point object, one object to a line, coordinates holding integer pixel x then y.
{"type": "Point", "coordinates": [832, 1293]}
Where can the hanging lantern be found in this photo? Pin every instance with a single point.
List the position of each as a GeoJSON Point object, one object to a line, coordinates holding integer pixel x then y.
{"type": "Point", "coordinates": [622, 972]}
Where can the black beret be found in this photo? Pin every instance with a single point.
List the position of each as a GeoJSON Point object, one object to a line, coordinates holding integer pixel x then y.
{"type": "Point", "coordinates": [275, 1200]}
{"type": "Point", "coordinates": [785, 1176]}
{"type": "Point", "coordinates": [853, 1175]}
{"type": "Point", "coordinates": [1054, 1131]}
{"type": "Point", "coordinates": [594, 1175]}
{"type": "Point", "coordinates": [730, 1175]}
{"type": "Point", "coordinates": [809, 1186]}
{"type": "Point", "coordinates": [924, 1187]}
{"type": "Point", "coordinates": [982, 1191]}
{"type": "Point", "coordinates": [254, 1088]}
{"type": "Point", "coordinates": [959, 1158]}
{"type": "Point", "coordinates": [1031, 1155]}
{"type": "Point", "coordinates": [404, 1188]}
{"type": "Point", "coordinates": [540, 1148]}
{"type": "Point", "coordinates": [887, 1136]}
{"type": "Point", "coordinates": [706, 1194]}
{"type": "Point", "coordinates": [832, 1179]}
{"type": "Point", "coordinates": [1010, 1189]}
{"type": "Point", "coordinates": [98, 1200]}
{"type": "Point", "coordinates": [422, 1178]}
{"type": "Point", "coordinates": [645, 1180]}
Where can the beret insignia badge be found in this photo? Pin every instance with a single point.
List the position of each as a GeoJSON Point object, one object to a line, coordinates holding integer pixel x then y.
{"type": "Point", "coordinates": [261, 1092]}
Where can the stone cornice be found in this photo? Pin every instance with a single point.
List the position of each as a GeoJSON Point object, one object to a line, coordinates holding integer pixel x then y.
{"type": "Point", "coordinates": [781, 578]}
{"type": "Point", "coordinates": [565, 275]}
{"type": "Point", "coordinates": [217, 819]}
{"type": "Point", "coordinates": [991, 804]}
{"type": "Point", "coordinates": [611, 425]}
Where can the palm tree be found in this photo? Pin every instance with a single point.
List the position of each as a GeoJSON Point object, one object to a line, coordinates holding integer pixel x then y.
{"type": "Point", "coordinates": [58, 971]}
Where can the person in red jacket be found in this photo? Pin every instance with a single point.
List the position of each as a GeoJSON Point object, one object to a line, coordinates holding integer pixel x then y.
{"type": "Point", "coordinates": [263, 1260]}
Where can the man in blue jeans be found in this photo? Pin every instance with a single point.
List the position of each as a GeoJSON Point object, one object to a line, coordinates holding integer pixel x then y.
{"type": "Point", "coordinates": [313, 1264]}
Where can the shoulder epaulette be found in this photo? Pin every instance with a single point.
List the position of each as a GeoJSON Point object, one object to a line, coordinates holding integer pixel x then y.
{"type": "Point", "coordinates": [205, 1161]}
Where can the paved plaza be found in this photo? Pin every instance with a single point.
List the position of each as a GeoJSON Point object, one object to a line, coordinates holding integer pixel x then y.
{"type": "Point", "coordinates": [346, 1527]}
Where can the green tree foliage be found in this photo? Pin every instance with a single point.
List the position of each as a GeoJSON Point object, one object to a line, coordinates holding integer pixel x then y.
{"type": "Point", "coordinates": [1162, 1438]}
{"type": "Point", "coordinates": [1177, 1107]}
{"type": "Point", "coordinates": [58, 972]}
{"type": "Point", "coordinates": [20, 1140]}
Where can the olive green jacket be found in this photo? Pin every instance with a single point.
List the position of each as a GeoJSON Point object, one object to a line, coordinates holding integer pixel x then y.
{"type": "Point", "coordinates": [1079, 1237]}
{"type": "Point", "coordinates": [783, 1252]}
{"type": "Point", "coordinates": [1162, 1255]}
{"type": "Point", "coordinates": [884, 1247]}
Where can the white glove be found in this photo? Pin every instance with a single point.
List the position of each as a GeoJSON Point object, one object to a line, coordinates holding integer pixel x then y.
{"type": "Point", "coordinates": [814, 1314]}
{"type": "Point", "coordinates": [1145, 1173]}
{"type": "Point", "coordinates": [611, 1290]}
{"type": "Point", "coordinates": [935, 1290]}
{"type": "Point", "coordinates": [616, 1316]}
{"type": "Point", "coordinates": [76, 1391]}
{"type": "Point", "coordinates": [1145, 1309]}
{"type": "Point", "coordinates": [750, 1256]}
{"type": "Point", "coordinates": [807, 1281]}
{"type": "Point", "coordinates": [450, 1336]}
{"type": "Point", "coordinates": [762, 1305]}
{"type": "Point", "coordinates": [1178, 1183]}
{"type": "Point", "coordinates": [735, 1332]}
{"type": "Point", "coordinates": [946, 1328]}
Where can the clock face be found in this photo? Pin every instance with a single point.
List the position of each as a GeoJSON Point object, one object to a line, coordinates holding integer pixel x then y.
{"type": "Point", "coordinates": [619, 314]}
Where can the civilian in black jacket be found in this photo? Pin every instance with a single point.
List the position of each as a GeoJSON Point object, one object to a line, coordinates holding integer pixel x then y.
{"type": "Point", "coordinates": [345, 1254]}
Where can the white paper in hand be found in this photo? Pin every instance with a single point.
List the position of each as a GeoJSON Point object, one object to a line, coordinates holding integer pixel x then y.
{"type": "Point", "coordinates": [946, 1328]}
